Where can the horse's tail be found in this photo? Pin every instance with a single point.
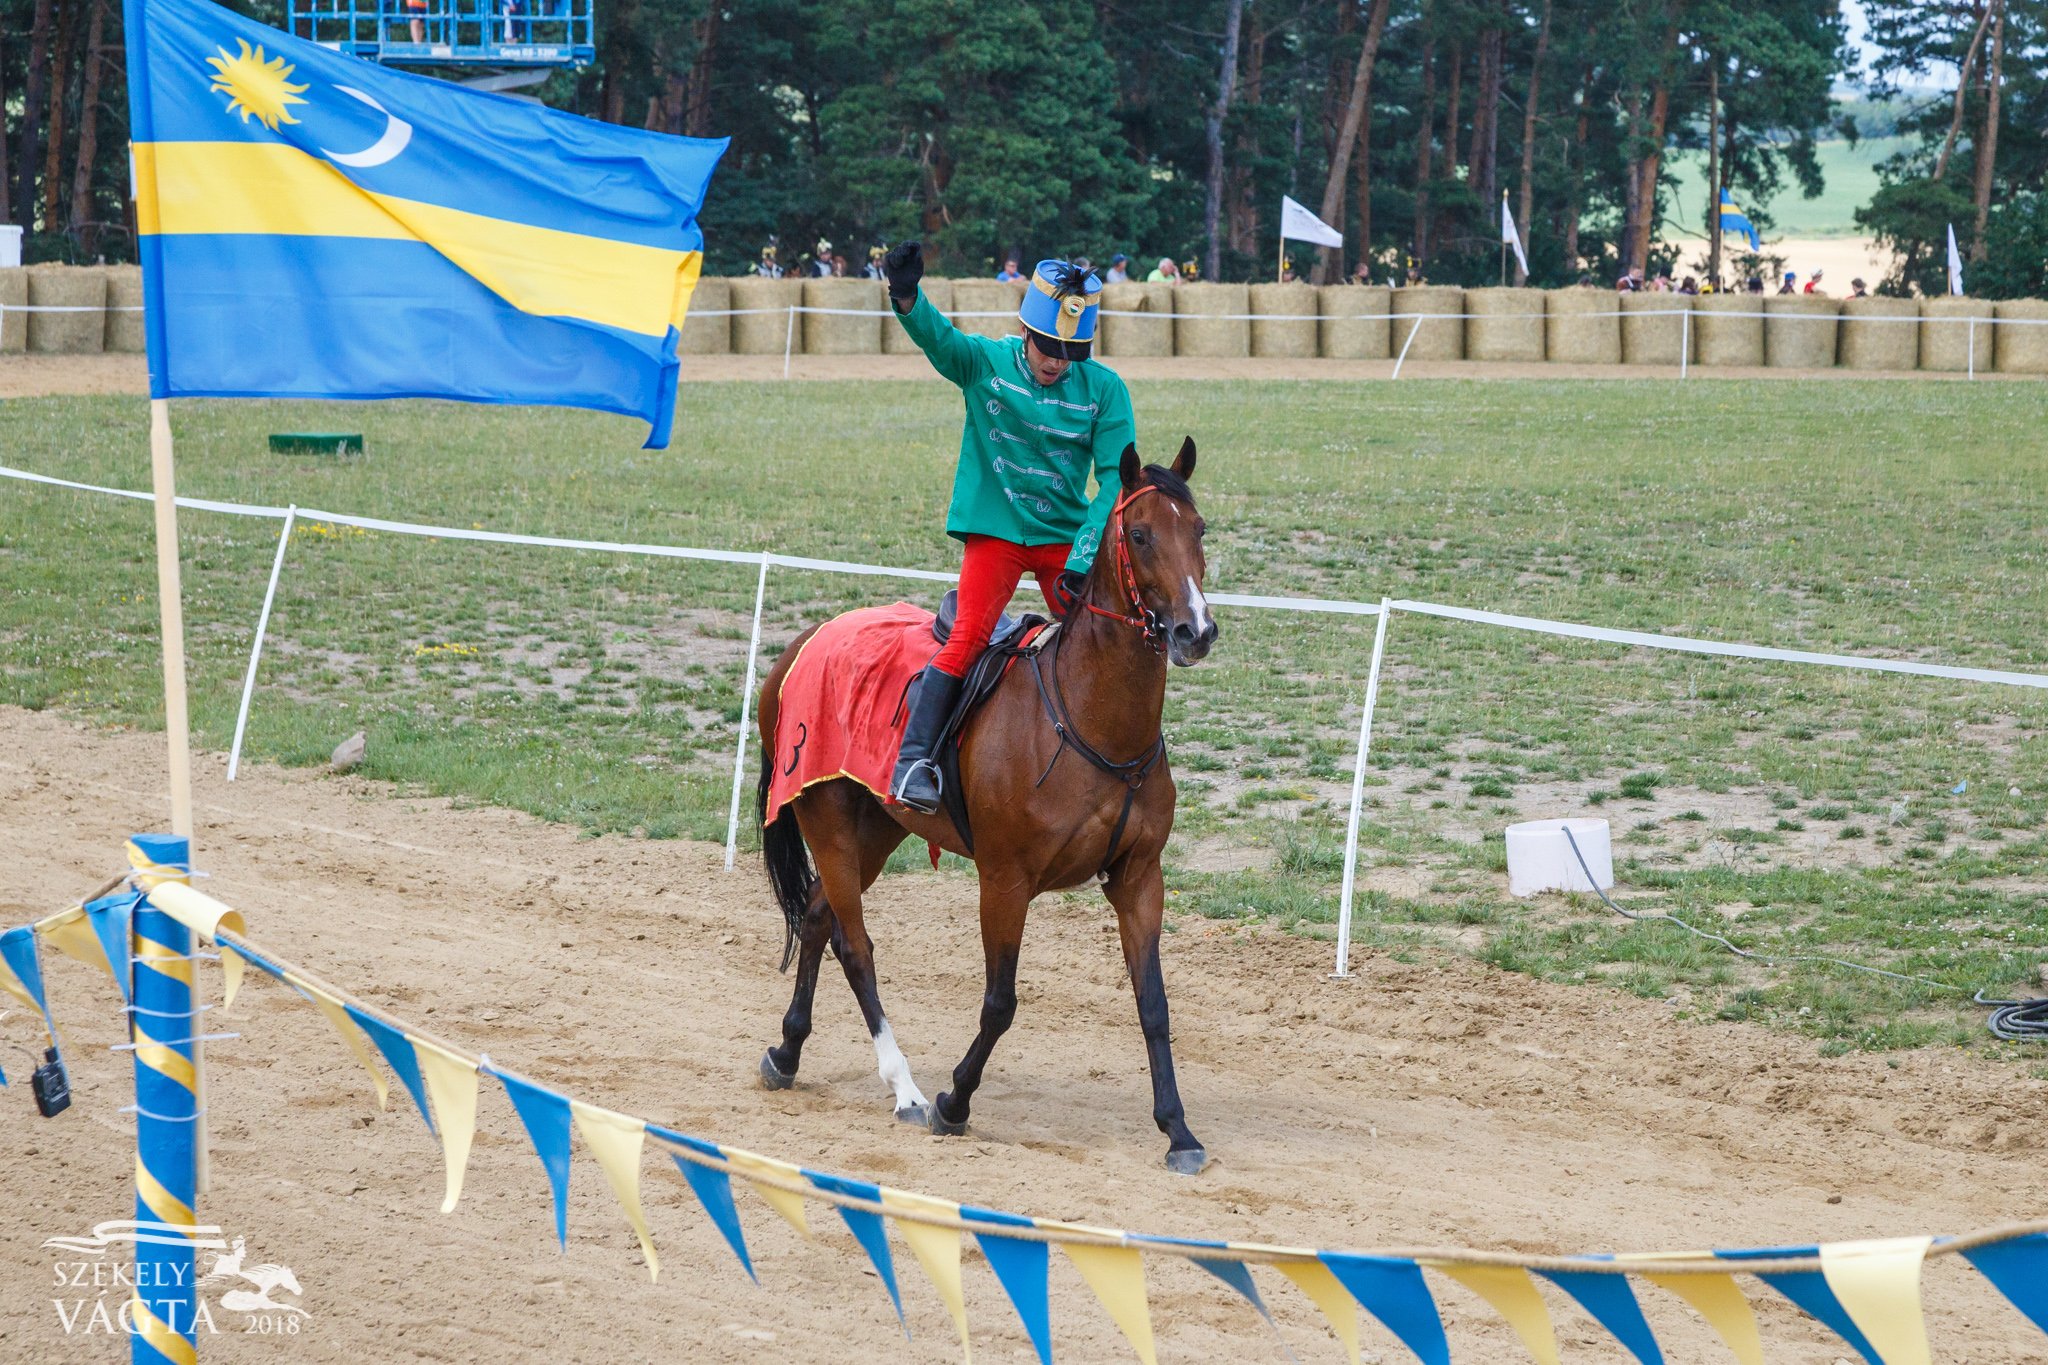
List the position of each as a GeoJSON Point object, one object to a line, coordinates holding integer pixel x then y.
{"type": "Point", "coordinates": [789, 867]}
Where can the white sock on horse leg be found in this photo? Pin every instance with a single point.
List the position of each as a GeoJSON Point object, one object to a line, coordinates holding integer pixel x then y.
{"type": "Point", "coordinates": [889, 1060]}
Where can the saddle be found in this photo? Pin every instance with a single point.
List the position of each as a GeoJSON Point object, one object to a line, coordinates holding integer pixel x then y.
{"type": "Point", "coordinates": [1008, 627]}
{"type": "Point", "coordinates": [1014, 637]}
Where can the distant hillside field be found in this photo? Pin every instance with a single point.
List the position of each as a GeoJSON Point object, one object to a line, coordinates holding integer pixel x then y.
{"type": "Point", "coordinates": [1851, 178]}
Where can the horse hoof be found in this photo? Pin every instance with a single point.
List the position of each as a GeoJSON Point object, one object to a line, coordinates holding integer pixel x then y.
{"type": "Point", "coordinates": [942, 1125]}
{"type": "Point", "coordinates": [1187, 1161]}
{"type": "Point", "coordinates": [917, 1115]}
{"type": "Point", "coordinates": [774, 1077]}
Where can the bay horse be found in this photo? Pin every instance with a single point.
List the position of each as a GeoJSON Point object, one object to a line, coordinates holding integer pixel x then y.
{"type": "Point", "coordinates": [1065, 780]}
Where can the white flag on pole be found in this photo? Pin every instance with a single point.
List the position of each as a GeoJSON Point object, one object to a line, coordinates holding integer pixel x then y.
{"type": "Point", "coordinates": [1509, 236]}
{"type": "Point", "coordinates": [1300, 225]}
{"type": "Point", "coordinates": [1955, 263]}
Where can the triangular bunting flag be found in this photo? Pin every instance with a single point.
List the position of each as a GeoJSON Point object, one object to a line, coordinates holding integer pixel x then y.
{"type": "Point", "coordinates": [785, 1202]}
{"type": "Point", "coordinates": [351, 1036]}
{"type": "Point", "coordinates": [1117, 1275]}
{"type": "Point", "coordinates": [1314, 1279]}
{"type": "Point", "coordinates": [405, 1063]}
{"type": "Point", "coordinates": [545, 1116]}
{"type": "Point", "coordinates": [24, 975]}
{"type": "Point", "coordinates": [262, 964]}
{"type": "Point", "coordinates": [615, 1140]}
{"type": "Point", "coordinates": [1809, 1290]}
{"type": "Point", "coordinates": [111, 918]}
{"type": "Point", "coordinates": [713, 1189]}
{"type": "Point", "coordinates": [1393, 1291]}
{"type": "Point", "coordinates": [451, 1082]}
{"type": "Point", "coordinates": [1714, 1297]}
{"type": "Point", "coordinates": [72, 935]}
{"type": "Point", "coordinates": [937, 1250]}
{"type": "Point", "coordinates": [1020, 1268]}
{"type": "Point", "coordinates": [1236, 1274]}
{"type": "Point", "coordinates": [1612, 1302]}
{"type": "Point", "coordinates": [1878, 1285]}
{"type": "Point", "coordinates": [202, 914]}
{"type": "Point", "coordinates": [867, 1229]}
{"type": "Point", "coordinates": [1513, 1295]}
{"type": "Point", "coordinates": [2017, 1269]}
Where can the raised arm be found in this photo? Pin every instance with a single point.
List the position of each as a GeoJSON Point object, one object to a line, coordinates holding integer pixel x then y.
{"type": "Point", "coordinates": [1115, 428]}
{"type": "Point", "coordinates": [951, 352]}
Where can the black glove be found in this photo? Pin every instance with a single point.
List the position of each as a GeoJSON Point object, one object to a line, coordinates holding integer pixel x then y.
{"type": "Point", "coordinates": [904, 267]}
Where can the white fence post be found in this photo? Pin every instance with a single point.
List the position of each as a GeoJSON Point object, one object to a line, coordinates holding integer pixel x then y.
{"type": "Point", "coordinates": [1684, 341]}
{"type": "Point", "coordinates": [1406, 344]}
{"type": "Point", "coordinates": [739, 757]}
{"type": "Point", "coordinates": [284, 540]}
{"type": "Point", "coordinates": [1973, 348]}
{"type": "Point", "coordinates": [1372, 696]}
{"type": "Point", "coordinates": [788, 340]}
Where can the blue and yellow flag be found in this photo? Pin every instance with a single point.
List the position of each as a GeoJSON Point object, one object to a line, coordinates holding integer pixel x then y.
{"type": "Point", "coordinates": [1735, 220]}
{"type": "Point", "coordinates": [316, 226]}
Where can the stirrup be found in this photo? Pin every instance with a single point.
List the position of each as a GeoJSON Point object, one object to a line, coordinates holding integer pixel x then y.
{"type": "Point", "coordinates": [938, 787]}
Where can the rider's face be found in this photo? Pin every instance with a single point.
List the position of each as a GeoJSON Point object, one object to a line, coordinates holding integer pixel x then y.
{"type": "Point", "coordinates": [1047, 370]}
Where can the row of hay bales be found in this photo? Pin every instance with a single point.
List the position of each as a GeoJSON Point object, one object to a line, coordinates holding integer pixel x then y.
{"type": "Point", "coordinates": [753, 316]}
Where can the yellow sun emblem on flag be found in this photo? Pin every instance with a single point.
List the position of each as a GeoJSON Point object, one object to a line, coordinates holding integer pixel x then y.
{"type": "Point", "coordinates": [256, 86]}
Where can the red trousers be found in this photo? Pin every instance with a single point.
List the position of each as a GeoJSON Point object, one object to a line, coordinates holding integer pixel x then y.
{"type": "Point", "coordinates": [989, 574]}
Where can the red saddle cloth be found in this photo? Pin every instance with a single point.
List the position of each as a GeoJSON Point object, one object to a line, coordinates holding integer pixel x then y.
{"type": "Point", "coordinates": [841, 705]}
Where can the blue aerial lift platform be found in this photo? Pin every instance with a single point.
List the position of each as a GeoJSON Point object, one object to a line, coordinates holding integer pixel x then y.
{"type": "Point", "coordinates": [524, 36]}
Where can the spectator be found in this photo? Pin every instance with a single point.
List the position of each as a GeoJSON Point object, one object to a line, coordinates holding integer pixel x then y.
{"type": "Point", "coordinates": [1858, 290]}
{"type": "Point", "coordinates": [1788, 287]}
{"type": "Point", "coordinates": [1119, 270]}
{"type": "Point", "coordinates": [838, 266]}
{"type": "Point", "coordinates": [1756, 284]}
{"type": "Point", "coordinates": [1689, 286]}
{"type": "Point", "coordinates": [768, 269]}
{"type": "Point", "coordinates": [513, 24]}
{"type": "Point", "coordinates": [1287, 275]}
{"type": "Point", "coordinates": [821, 262]}
{"type": "Point", "coordinates": [1813, 285]}
{"type": "Point", "coordinates": [1190, 271]}
{"type": "Point", "coordinates": [1166, 272]}
{"type": "Point", "coordinates": [1586, 280]}
{"type": "Point", "coordinates": [416, 11]}
{"type": "Point", "coordinates": [1631, 281]}
{"type": "Point", "coordinates": [1362, 273]}
{"type": "Point", "coordinates": [1415, 274]}
{"type": "Point", "coordinates": [873, 269]}
{"type": "Point", "coordinates": [1009, 273]}
{"type": "Point", "coordinates": [1082, 263]}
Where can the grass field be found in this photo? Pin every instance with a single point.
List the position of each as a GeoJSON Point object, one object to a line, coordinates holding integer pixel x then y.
{"type": "Point", "coordinates": [1849, 174]}
{"type": "Point", "coordinates": [1799, 810]}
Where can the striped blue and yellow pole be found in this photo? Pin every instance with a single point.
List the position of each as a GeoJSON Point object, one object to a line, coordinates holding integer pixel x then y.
{"type": "Point", "coordinates": [166, 1115]}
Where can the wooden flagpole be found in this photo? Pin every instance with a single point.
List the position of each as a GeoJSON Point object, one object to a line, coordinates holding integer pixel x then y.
{"type": "Point", "coordinates": [171, 617]}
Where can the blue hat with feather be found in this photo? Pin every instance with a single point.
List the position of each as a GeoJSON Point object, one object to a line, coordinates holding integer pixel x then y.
{"type": "Point", "coordinates": [1059, 309]}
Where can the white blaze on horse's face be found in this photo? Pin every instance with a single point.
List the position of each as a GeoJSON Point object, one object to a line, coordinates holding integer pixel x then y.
{"type": "Point", "coordinates": [1200, 606]}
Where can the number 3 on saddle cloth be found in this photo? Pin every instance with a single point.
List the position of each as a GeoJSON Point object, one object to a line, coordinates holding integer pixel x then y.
{"type": "Point", "coordinates": [843, 702]}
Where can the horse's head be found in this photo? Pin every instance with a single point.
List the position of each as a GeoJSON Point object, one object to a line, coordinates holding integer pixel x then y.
{"type": "Point", "coordinates": [1155, 541]}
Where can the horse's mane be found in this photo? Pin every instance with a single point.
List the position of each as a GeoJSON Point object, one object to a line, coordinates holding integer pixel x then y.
{"type": "Point", "coordinates": [1169, 483]}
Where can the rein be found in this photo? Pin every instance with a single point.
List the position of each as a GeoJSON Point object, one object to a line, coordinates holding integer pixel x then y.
{"type": "Point", "coordinates": [1131, 773]}
{"type": "Point", "coordinates": [1143, 619]}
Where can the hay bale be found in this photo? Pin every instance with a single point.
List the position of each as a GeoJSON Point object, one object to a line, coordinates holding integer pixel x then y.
{"type": "Point", "coordinates": [765, 332]}
{"type": "Point", "coordinates": [843, 333]}
{"type": "Point", "coordinates": [1444, 340]}
{"type": "Point", "coordinates": [1506, 324]}
{"type": "Point", "coordinates": [1799, 331]}
{"type": "Point", "coordinates": [2023, 349]}
{"type": "Point", "coordinates": [1727, 329]}
{"type": "Point", "coordinates": [896, 341]}
{"type": "Point", "coordinates": [1583, 326]}
{"type": "Point", "coordinates": [1291, 335]}
{"type": "Point", "coordinates": [1123, 336]}
{"type": "Point", "coordinates": [988, 296]}
{"type": "Point", "coordinates": [706, 329]}
{"type": "Point", "coordinates": [13, 325]}
{"type": "Point", "coordinates": [1878, 345]}
{"type": "Point", "coordinates": [1945, 333]}
{"type": "Point", "coordinates": [125, 331]}
{"type": "Point", "coordinates": [67, 286]}
{"type": "Point", "coordinates": [1655, 340]}
{"type": "Point", "coordinates": [1222, 331]}
{"type": "Point", "coordinates": [1354, 325]}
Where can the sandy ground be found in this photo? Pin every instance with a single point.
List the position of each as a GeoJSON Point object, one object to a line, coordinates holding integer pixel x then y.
{"type": "Point", "coordinates": [29, 376]}
{"type": "Point", "coordinates": [1435, 1103]}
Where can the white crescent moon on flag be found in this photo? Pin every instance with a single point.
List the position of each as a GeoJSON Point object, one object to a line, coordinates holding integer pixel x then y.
{"type": "Point", "coordinates": [397, 133]}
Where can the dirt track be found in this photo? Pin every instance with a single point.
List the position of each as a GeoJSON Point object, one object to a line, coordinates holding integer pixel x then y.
{"type": "Point", "coordinates": [1436, 1103]}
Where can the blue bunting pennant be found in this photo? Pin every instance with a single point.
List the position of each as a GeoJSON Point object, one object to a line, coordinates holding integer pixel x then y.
{"type": "Point", "coordinates": [1393, 1292]}
{"type": "Point", "coordinates": [18, 947]}
{"type": "Point", "coordinates": [2018, 1269]}
{"type": "Point", "coordinates": [110, 919]}
{"type": "Point", "coordinates": [397, 1050]}
{"type": "Point", "coordinates": [545, 1116]}
{"type": "Point", "coordinates": [1236, 1274]}
{"type": "Point", "coordinates": [713, 1189]}
{"type": "Point", "coordinates": [1613, 1305]}
{"type": "Point", "coordinates": [867, 1229]}
{"type": "Point", "coordinates": [1020, 1268]}
{"type": "Point", "coordinates": [258, 961]}
{"type": "Point", "coordinates": [1809, 1290]}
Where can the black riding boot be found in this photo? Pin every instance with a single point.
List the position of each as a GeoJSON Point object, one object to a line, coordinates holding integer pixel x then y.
{"type": "Point", "coordinates": [916, 781]}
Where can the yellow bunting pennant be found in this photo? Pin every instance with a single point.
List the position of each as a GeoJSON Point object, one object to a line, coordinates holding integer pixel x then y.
{"type": "Point", "coordinates": [350, 1034]}
{"type": "Point", "coordinates": [1714, 1297]}
{"type": "Point", "coordinates": [615, 1140]}
{"type": "Point", "coordinates": [1117, 1275]}
{"type": "Point", "coordinates": [1513, 1295]}
{"type": "Point", "coordinates": [1878, 1285]}
{"type": "Point", "coordinates": [937, 1250]}
{"type": "Point", "coordinates": [71, 934]}
{"type": "Point", "coordinates": [451, 1084]}
{"type": "Point", "coordinates": [790, 1205]}
{"type": "Point", "coordinates": [203, 915]}
{"type": "Point", "coordinates": [1314, 1279]}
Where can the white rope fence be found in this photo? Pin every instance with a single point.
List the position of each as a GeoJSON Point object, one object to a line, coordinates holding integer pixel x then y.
{"type": "Point", "coordinates": [1385, 609]}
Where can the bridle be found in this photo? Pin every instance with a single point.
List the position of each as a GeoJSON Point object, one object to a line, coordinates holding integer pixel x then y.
{"type": "Point", "coordinates": [1147, 622]}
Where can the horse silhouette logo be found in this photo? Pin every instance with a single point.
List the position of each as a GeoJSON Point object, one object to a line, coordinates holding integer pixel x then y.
{"type": "Point", "coordinates": [267, 1279]}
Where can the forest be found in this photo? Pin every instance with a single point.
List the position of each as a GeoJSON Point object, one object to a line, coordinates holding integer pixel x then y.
{"type": "Point", "coordinates": [1060, 127]}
